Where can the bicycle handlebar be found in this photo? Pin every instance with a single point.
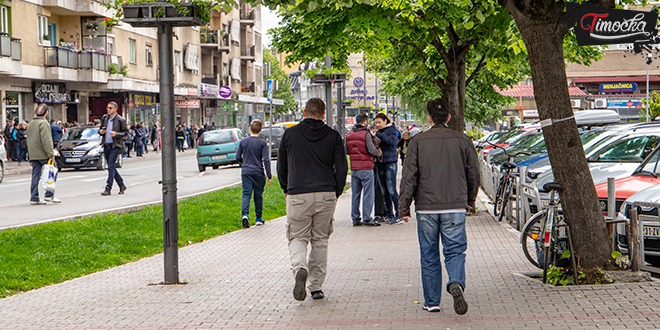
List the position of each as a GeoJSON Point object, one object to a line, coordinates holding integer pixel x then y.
{"type": "Point", "coordinates": [506, 153]}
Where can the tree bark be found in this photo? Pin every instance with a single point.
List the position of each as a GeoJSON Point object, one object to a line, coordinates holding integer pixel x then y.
{"type": "Point", "coordinates": [543, 31]}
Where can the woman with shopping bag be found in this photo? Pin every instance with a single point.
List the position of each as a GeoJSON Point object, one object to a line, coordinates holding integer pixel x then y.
{"type": "Point", "coordinates": [40, 148]}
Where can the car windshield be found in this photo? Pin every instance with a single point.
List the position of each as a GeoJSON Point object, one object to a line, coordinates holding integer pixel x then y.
{"type": "Point", "coordinates": [631, 150]}
{"type": "Point", "coordinates": [588, 136]}
{"type": "Point", "coordinates": [539, 147]}
{"type": "Point", "coordinates": [603, 142]}
{"type": "Point", "coordinates": [81, 134]}
{"type": "Point", "coordinates": [650, 164]}
{"type": "Point", "coordinates": [277, 132]}
{"type": "Point", "coordinates": [529, 140]}
{"type": "Point", "coordinates": [217, 137]}
{"type": "Point", "coordinates": [494, 136]}
{"type": "Point", "coordinates": [510, 137]}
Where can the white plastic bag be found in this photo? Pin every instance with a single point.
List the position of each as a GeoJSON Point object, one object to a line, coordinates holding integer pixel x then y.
{"type": "Point", "coordinates": [48, 175]}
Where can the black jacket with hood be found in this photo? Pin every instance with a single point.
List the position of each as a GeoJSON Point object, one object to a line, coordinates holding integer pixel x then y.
{"type": "Point", "coordinates": [312, 159]}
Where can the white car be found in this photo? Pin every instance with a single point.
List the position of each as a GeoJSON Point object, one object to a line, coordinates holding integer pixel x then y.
{"type": "Point", "coordinates": [651, 229]}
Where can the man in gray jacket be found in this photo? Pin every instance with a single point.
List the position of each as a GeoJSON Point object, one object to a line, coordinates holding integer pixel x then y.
{"type": "Point", "coordinates": [441, 174]}
{"type": "Point", "coordinates": [40, 148]}
{"type": "Point", "coordinates": [113, 130]}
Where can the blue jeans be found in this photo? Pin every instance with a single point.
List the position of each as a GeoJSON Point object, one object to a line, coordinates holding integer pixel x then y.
{"type": "Point", "coordinates": [37, 165]}
{"type": "Point", "coordinates": [17, 150]}
{"type": "Point", "coordinates": [253, 183]}
{"type": "Point", "coordinates": [145, 143]}
{"type": "Point", "coordinates": [451, 228]}
{"type": "Point", "coordinates": [387, 181]}
{"type": "Point", "coordinates": [179, 143]}
{"type": "Point", "coordinates": [111, 155]}
{"type": "Point", "coordinates": [362, 180]}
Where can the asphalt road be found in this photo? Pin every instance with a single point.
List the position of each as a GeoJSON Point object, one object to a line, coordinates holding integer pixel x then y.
{"type": "Point", "coordinates": [80, 190]}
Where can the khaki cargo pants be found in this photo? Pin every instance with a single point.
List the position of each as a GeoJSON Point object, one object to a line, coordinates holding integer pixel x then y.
{"type": "Point", "coordinates": [309, 219]}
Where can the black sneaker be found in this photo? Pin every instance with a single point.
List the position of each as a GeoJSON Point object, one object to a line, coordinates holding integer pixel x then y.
{"type": "Point", "coordinates": [246, 222]}
{"type": "Point", "coordinates": [460, 305]}
{"type": "Point", "coordinates": [122, 189]}
{"type": "Point", "coordinates": [371, 223]}
{"type": "Point", "coordinates": [106, 192]}
{"type": "Point", "coordinates": [299, 292]}
{"type": "Point", "coordinates": [432, 309]}
{"type": "Point", "coordinates": [317, 294]}
{"type": "Point", "coordinates": [357, 224]}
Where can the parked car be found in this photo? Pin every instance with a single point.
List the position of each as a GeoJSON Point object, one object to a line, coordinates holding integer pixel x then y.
{"type": "Point", "coordinates": [651, 229]}
{"type": "Point", "coordinates": [81, 147]}
{"type": "Point", "coordinates": [278, 130]}
{"type": "Point", "coordinates": [3, 158]}
{"type": "Point", "coordinates": [492, 136]}
{"type": "Point", "coordinates": [218, 147]}
{"type": "Point", "coordinates": [288, 123]}
{"type": "Point", "coordinates": [512, 137]}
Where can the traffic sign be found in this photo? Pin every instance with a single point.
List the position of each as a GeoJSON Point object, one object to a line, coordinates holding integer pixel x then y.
{"type": "Point", "coordinates": [269, 89]}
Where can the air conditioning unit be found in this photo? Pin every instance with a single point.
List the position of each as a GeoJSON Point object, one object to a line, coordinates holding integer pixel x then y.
{"type": "Point", "coordinates": [600, 103]}
{"type": "Point", "coordinates": [575, 104]}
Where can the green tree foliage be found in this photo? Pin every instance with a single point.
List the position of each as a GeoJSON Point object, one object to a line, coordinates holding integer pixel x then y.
{"type": "Point", "coordinates": [284, 90]}
{"type": "Point", "coordinates": [654, 107]}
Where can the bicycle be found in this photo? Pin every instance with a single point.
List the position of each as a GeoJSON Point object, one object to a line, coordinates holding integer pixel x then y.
{"type": "Point", "coordinates": [503, 193]}
{"type": "Point", "coordinates": [556, 239]}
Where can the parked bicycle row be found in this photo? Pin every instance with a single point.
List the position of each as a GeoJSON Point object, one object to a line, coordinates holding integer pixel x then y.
{"type": "Point", "coordinates": [627, 152]}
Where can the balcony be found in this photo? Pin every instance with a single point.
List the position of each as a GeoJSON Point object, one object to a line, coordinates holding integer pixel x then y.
{"type": "Point", "coordinates": [10, 47]}
{"type": "Point", "coordinates": [63, 57]}
{"type": "Point", "coordinates": [247, 16]}
{"type": "Point", "coordinates": [88, 7]}
{"type": "Point", "coordinates": [224, 45]}
{"type": "Point", "coordinates": [209, 37]}
{"type": "Point", "coordinates": [247, 53]}
{"type": "Point", "coordinates": [209, 79]}
{"type": "Point", "coordinates": [248, 87]}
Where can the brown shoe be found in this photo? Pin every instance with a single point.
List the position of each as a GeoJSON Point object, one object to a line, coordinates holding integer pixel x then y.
{"type": "Point", "coordinates": [106, 192]}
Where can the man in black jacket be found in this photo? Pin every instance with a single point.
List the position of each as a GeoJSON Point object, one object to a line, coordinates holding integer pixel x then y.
{"type": "Point", "coordinates": [312, 172]}
{"type": "Point", "coordinates": [113, 129]}
{"type": "Point", "coordinates": [442, 175]}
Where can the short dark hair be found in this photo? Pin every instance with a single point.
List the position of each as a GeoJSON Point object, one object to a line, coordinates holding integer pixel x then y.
{"type": "Point", "coordinates": [361, 118]}
{"type": "Point", "coordinates": [383, 117]}
{"type": "Point", "coordinates": [41, 109]}
{"type": "Point", "coordinates": [255, 126]}
{"type": "Point", "coordinates": [438, 110]}
{"type": "Point", "coordinates": [315, 107]}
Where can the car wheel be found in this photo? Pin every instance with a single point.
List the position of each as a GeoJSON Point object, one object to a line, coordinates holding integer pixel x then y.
{"type": "Point", "coordinates": [120, 161]}
{"type": "Point", "coordinates": [103, 164]}
{"type": "Point", "coordinates": [201, 167]}
{"type": "Point", "coordinates": [2, 171]}
{"type": "Point", "coordinates": [215, 167]}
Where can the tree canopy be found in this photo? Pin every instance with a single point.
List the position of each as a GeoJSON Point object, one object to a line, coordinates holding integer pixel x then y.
{"type": "Point", "coordinates": [284, 90]}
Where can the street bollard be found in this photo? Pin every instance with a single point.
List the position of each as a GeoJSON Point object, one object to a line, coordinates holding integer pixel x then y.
{"type": "Point", "coordinates": [521, 199]}
{"type": "Point", "coordinates": [611, 205]}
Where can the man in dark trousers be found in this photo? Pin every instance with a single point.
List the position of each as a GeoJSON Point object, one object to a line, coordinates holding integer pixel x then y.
{"type": "Point", "coordinates": [312, 170]}
{"type": "Point", "coordinates": [252, 152]}
{"type": "Point", "coordinates": [361, 149]}
{"type": "Point", "coordinates": [40, 147]}
{"type": "Point", "coordinates": [113, 129]}
{"type": "Point", "coordinates": [442, 176]}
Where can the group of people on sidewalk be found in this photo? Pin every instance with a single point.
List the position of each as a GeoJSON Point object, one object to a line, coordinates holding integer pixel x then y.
{"type": "Point", "coordinates": [440, 175]}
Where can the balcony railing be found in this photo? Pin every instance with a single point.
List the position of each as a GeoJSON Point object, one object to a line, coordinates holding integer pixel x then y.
{"type": "Point", "coordinates": [75, 59]}
{"type": "Point", "coordinates": [209, 36]}
{"type": "Point", "coordinates": [248, 87]}
{"type": "Point", "coordinates": [247, 13]}
{"type": "Point", "coordinates": [209, 79]}
{"type": "Point", "coordinates": [10, 47]}
{"type": "Point", "coordinates": [247, 51]}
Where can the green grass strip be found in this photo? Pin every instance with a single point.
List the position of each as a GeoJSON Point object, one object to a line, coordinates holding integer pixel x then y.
{"type": "Point", "coordinates": [45, 254]}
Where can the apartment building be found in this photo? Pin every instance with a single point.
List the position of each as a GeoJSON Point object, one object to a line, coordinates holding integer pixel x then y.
{"type": "Point", "coordinates": [232, 65]}
{"type": "Point", "coordinates": [61, 53]}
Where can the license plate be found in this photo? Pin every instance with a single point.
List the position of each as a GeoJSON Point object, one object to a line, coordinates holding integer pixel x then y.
{"type": "Point", "coordinates": [651, 231]}
{"type": "Point", "coordinates": [219, 157]}
{"type": "Point", "coordinates": [72, 160]}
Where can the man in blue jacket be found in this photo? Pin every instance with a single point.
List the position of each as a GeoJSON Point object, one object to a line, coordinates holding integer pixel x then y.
{"type": "Point", "coordinates": [252, 152]}
{"type": "Point", "coordinates": [56, 132]}
{"type": "Point", "coordinates": [312, 170]}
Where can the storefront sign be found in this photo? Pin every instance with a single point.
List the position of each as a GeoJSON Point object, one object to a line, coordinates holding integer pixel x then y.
{"type": "Point", "coordinates": [624, 104]}
{"type": "Point", "coordinates": [192, 91]}
{"type": "Point", "coordinates": [53, 93]}
{"type": "Point", "coordinates": [603, 26]}
{"type": "Point", "coordinates": [208, 91]}
{"type": "Point", "coordinates": [186, 104]}
{"type": "Point", "coordinates": [225, 92]}
{"type": "Point", "coordinates": [141, 101]}
{"type": "Point", "coordinates": [530, 113]}
{"type": "Point", "coordinates": [358, 82]}
{"type": "Point", "coordinates": [618, 87]}
{"type": "Point", "coordinates": [360, 97]}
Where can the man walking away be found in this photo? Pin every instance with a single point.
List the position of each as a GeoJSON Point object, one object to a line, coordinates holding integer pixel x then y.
{"type": "Point", "coordinates": [138, 140]}
{"type": "Point", "coordinates": [113, 130]}
{"type": "Point", "coordinates": [312, 172]}
{"type": "Point", "coordinates": [40, 147]}
{"type": "Point", "coordinates": [56, 133]}
{"type": "Point", "coordinates": [154, 137]}
{"type": "Point", "coordinates": [252, 152]}
{"type": "Point", "coordinates": [128, 141]}
{"type": "Point", "coordinates": [361, 149]}
{"type": "Point", "coordinates": [441, 198]}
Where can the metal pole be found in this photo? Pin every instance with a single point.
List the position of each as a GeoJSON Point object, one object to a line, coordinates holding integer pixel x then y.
{"type": "Point", "coordinates": [364, 79]}
{"type": "Point", "coordinates": [170, 213]}
{"type": "Point", "coordinates": [633, 240]}
{"type": "Point", "coordinates": [611, 202]}
{"type": "Point", "coordinates": [270, 130]}
{"type": "Point", "coordinates": [376, 97]}
{"type": "Point", "coordinates": [647, 90]}
{"type": "Point", "coordinates": [341, 128]}
{"type": "Point", "coordinates": [328, 94]}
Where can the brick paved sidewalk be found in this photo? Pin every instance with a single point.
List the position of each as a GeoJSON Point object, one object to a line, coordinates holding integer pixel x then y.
{"type": "Point", "coordinates": [243, 280]}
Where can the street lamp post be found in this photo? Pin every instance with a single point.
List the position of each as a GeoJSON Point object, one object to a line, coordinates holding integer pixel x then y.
{"type": "Point", "coordinates": [649, 59]}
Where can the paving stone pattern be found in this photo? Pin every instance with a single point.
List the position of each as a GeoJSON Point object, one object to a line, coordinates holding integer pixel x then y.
{"type": "Point", "coordinates": [243, 280]}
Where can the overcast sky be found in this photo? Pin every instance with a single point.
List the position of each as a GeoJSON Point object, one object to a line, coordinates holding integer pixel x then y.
{"type": "Point", "coordinates": [269, 20]}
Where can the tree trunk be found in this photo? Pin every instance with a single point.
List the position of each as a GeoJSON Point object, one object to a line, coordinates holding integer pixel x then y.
{"type": "Point", "coordinates": [454, 94]}
{"type": "Point", "coordinates": [543, 34]}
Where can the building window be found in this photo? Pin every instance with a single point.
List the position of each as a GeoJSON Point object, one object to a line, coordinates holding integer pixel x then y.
{"type": "Point", "coordinates": [111, 45]}
{"type": "Point", "coordinates": [4, 19]}
{"type": "Point", "coordinates": [42, 30]}
{"type": "Point", "coordinates": [131, 50]}
{"type": "Point", "coordinates": [178, 60]}
{"type": "Point", "coordinates": [148, 57]}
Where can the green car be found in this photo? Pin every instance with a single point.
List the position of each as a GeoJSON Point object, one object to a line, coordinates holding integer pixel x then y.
{"type": "Point", "coordinates": [218, 147]}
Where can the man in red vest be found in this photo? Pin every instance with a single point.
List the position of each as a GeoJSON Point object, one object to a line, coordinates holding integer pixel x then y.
{"type": "Point", "coordinates": [361, 149]}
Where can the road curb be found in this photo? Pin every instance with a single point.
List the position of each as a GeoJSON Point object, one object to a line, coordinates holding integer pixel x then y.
{"type": "Point", "coordinates": [119, 210]}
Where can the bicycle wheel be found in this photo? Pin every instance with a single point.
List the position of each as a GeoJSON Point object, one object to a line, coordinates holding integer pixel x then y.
{"type": "Point", "coordinates": [531, 238]}
{"type": "Point", "coordinates": [498, 197]}
{"type": "Point", "coordinates": [504, 201]}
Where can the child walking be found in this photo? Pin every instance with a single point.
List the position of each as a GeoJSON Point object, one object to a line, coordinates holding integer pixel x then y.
{"type": "Point", "coordinates": [253, 153]}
